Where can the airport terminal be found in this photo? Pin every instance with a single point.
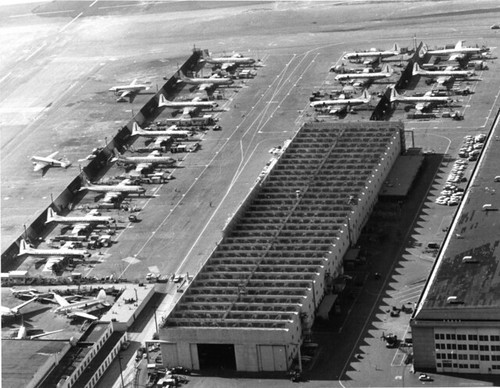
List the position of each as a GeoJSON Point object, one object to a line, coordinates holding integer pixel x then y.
{"type": "Point", "coordinates": [306, 210]}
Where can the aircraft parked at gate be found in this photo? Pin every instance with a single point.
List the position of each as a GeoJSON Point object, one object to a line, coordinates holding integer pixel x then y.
{"type": "Point", "coordinates": [443, 75]}
{"type": "Point", "coordinates": [187, 106]}
{"type": "Point", "coordinates": [23, 333]}
{"type": "Point", "coordinates": [129, 90]}
{"type": "Point", "coordinates": [44, 162]}
{"type": "Point", "coordinates": [459, 51]}
{"type": "Point", "coordinates": [343, 104]}
{"type": "Point", "coordinates": [86, 219]}
{"type": "Point", "coordinates": [113, 191]}
{"type": "Point", "coordinates": [144, 162]}
{"type": "Point", "coordinates": [421, 101]}
{"type": "Point", "coordinates": [78, 308]}
{"type": "Point", "coordinates": [373, 53]}
{"type": "Point", "coordinates": [205, 83]}
{"type": "Point", "coordinates": [25, 249]}
{"type": "Point", "coordinates": [225, 62]}
{"type": "Point", "coordinates": [14, 311]}
{"type": "Point", "coordinates": [170, 131]}
{"type": "Point", "coordinates": [386, 72]}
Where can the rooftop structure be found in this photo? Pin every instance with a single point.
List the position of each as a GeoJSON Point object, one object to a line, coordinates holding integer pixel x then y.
{"type": "Point", "coordinates": [268, 274]}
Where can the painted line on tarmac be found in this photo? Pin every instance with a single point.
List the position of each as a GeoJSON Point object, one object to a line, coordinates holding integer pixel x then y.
{"type": "Point", "coordinates": [72, 20]}
{"type": "Point", "coordinates": [36, 51]}
{"type": "Point", "coordinates": [41, 13]}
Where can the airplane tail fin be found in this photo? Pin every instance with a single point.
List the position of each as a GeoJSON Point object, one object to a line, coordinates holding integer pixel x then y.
{"type": "Point", "coordinates": [163, 101]}
{"type": "Point", "coordinates": [101, 295]}
{"type": "Point", "coordinates": [387, 69]}
{"type": "Point", "coordinates": [85, 181]}
{"type": "Point", "coordinates": [366, 96]}
{"type": "Point", "coordinates": [23, 248]}
{"type": "Point", "coordinates": [394, 95]}
{"type": "Point", "coordinates": [396, 48]}
{"type": "Point", "coordinates": [136, 129]}
{"type": "Point", "coordinates": [416, 69]}
{"type": "Point", "coordinates": [50, 215]}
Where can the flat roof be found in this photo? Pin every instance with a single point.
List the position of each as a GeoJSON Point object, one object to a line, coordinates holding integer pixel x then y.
{"type": "Point", "coordinates": [260, 273]}
{"type": "Point", "coordinates": [21, 359]}
{"type": "Point", "coordinates": [402, 176]}
{"type": "Point", "coordinates": [475, 233]}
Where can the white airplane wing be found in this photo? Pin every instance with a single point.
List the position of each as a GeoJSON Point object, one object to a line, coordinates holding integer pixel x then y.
{"type": "Point", "coordinates": [442, 80]}
{"type": "Point", "coordinates": [124, 94]}
{"type": "Point", "coordinates": [50, 263]}
{"type": "Point", "coordinates": [142, 166]}
{"type": "Point", "coordinates": [188, 109]}
{"type": "Point", "coordinates": [82, 314]}
{"type": "Point", "coordinates": [160, 139]}
{"type": "Point", "coordinates": [455, 57]}
{"type": "Point", "coordinates": [62, 302]}
{"type": "Point", "coordinates": [133, 82]}
{"type": "Point", "coordinates": [52, 155]}
{"type": "Point", "coordinates": [420, 106]}
{"type": "Point", "coordinates": [37, 166]}
{"type": "Point", "coordinates": [78, 228]}
{"type": "Point", "coordinates": [459, 44]}
{"type": "Point", "coordinates": [205, 86]}
{"type": "Point", "coordinates": [111, 195]}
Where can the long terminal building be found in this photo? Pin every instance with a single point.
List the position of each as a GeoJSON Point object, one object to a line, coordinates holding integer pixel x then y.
{"type": "Point", "coordinates": [254, 301]}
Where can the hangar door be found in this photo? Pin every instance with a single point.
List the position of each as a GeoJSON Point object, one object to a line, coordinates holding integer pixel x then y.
{"type": "Point", "coordinates": [272, 358]}
{"type": "Point", "coordinates": [216, 356]}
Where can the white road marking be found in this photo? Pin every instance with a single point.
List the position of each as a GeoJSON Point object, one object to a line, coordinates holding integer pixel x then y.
{"type": "Point", "coordinates": [72, 20]}
{"type": "Point", "coordinates": [36, 51]}
{"type": "Point", "coordinates": [93, 3]}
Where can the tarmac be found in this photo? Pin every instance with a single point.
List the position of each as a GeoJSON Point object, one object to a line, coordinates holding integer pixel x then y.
{"type": "Point", "coordinates": [59, 60]}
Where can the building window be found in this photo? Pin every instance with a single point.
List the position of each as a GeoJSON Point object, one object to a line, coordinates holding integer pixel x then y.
{"type": "Point", "coordinates": [441, 336]}
{"type": "Point", "coordinates": [462, 366]}
{"type": "Point", "coordinates": [462, 356]}
{"type": "Point", "coordinates": [495, 357]}
{"type": "Point", "coordinates": [448, 337]}
{"type": "Point", "coordinates": [483, 338]}
{"type": "Point", "coordinates": [438, 356]}
{"type": "Point", "coordinates": [462, 347]}
{"type": "Point", "coordinates": [484, 357]}
{"type": "Point", "coordinates": [436, 336]}
{"type": "Point", "coordinates": [472, 337]}
{"type": "Point", "coordinates": [484, 348]}
{"type": "Point", "coordinates": [495, 348]}
{"type": "Point", "coordinates": [438, 365]}
{"type": "Point", "coordinates": [495, 338]}
{"type": "Point", "coordinates": [455, 365]}
{"type": "Point", "coordinates": [448, 346]}
{"type": "Point", "coordinates": [495, 366]}
{"type": "Point", "coordinates": [473, 347]}
{"type": "Point", "coordinates": [461, 337]}
{"type": "Point", "coordinates": [474, 356]}
{"type": "Point", "coordinates": [474, 366]}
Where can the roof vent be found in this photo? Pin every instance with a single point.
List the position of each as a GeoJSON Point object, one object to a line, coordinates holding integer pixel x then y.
{"type": "Point", "coordinates": [469, 259]}
{"type": "Point", "coordinates": [453, 300]}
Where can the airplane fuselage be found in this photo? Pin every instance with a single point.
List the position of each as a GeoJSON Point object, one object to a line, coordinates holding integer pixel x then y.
{"type": "Point", "coordinates": [214, 81]}
{"type": "Point", "coordinates": [115, 189]}
{"type": "Point", "coordinates": [370, 54]}
{"type": "Point", "coordinates": [235, 60]}
{"type": "Point", "coordinates": [83, 219]}
{"type": "Point", "coordinates": [347, 76]}
{"type": "Point", "coordinates": [130, 88]}
{"type": "Point", "coordinates": [190, 104]}
{"type": "Point", "coordinates": [56, 252]}
{"type": "Point", "coordinates": [339, 102]}
{"type": "Point", "coordinates": [146, 159]}
{"type": "Point", "coordinates": [167, 132]}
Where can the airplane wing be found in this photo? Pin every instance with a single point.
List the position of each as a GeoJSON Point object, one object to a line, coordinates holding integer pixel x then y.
{"type": "Point", "coordinates": [456, 57]}
{"type": "Point", "coordinates": [111, 195]}
{"type": "Point", "coordinates": [160, 139]}
{"type": "Point", "coordinates": [50, 263]}
{"type": "Point", "coordinates": [133, 82]}
{"type": "Point", "coordinates": [59, 299]}
{"type": "Point", "coordinates": [37, 166]}
{"type": "Point", "coordinates": [124, 95]}
{"type": "Point", "coordinates": [78, 228]}
{"type": "Point", "coordinates": [442, 80]}
{"type": "Point", "coordinates": [188, 109]}
{"type": "Point", "coordinates": [142, 166]}
{"type": "Point", "coordinates": [420, 106]}
{"type": "Point", "coordinates": [205, 86]}
{"type": "Point", "coordinates": [82, 314]}
{"type": "Point", "coordinates": [24, 304]}
{"type": "Point", "coordinates": [459, 44]}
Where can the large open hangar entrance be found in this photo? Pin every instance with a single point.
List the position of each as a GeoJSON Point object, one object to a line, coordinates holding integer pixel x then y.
{"type": "Point", "coordinates": [216, 356]}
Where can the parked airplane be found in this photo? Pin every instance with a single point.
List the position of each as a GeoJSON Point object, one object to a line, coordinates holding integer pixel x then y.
{"type": "Point", "coordinates": [129, 90]}
{"type": "Point", "coordinates": [44, 162]}
{"type": "Point", "coordinates": [386, 72]}
{"type": "Point", "coordinates": [13, 311]}
{"type": "Point", "coordinates": [343, 103]}
{"type": "Point", "coordinates": [187, 106]}
{"type": "Point", "coordinates": [113, 191]}
{"type": "Point", "coordinates": [144, 162]}
{"type": "Point", "coordinates": [78, 308]}
{"type": "Point", "coordinates": [205, 83]}
{"type": "Point", "coordinates": [170, 131]}
{"type": "Point", "coordinates": [459, 51]}
{"type": "Point", "coordinates": [421, 101]}
{"type": "Point", "coordinates": [443, 75]}
{"type": "Point", "coordinates": [86, 219]}
{"type": "Point", "coordinates": [25, 249]}
{"type": "Point", "coordinates": [225, 62]}
{"type": "Point", "coordinates": [373, 53]}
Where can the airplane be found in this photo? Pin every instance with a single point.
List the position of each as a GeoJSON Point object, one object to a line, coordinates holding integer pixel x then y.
{"type": "Point", "coordinates": [128, 90]}
{"type": "Point", "coordinates": [44, 162]}
{"type": "Point", "coordinates": [187, 106]}
{"type": "Point", "coordinates": [144, 162]}
{"type": "Point", "coordinates": [343, 103]}
{"type": "Point", "coordinates": [204, 83]}
{"type": "Point", "coordinates": [112, 191]}
{"type": "Point", "coordinates": [77, 308]}
{"type": "Point", "coordinates": [14, 311]}
{"type": "Point", "coordinates": [86, 219]}
{"type": "Point", "coordinates": [459, 51]}
{"type": "Point", "coordinates": [225, 62]}
{"type": "Point", "coordinates": [373, 53]}
{"type": "Point", "coordinates": [25, 249]}
{"type": "Point", "coordinates": [170, 131]}
{"type": "Point", "coordinates": [422, 101]}
{"type": "Point", "coordinates": [386, 72]}
{"type": "Point", "coordinates": [444, 75]}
